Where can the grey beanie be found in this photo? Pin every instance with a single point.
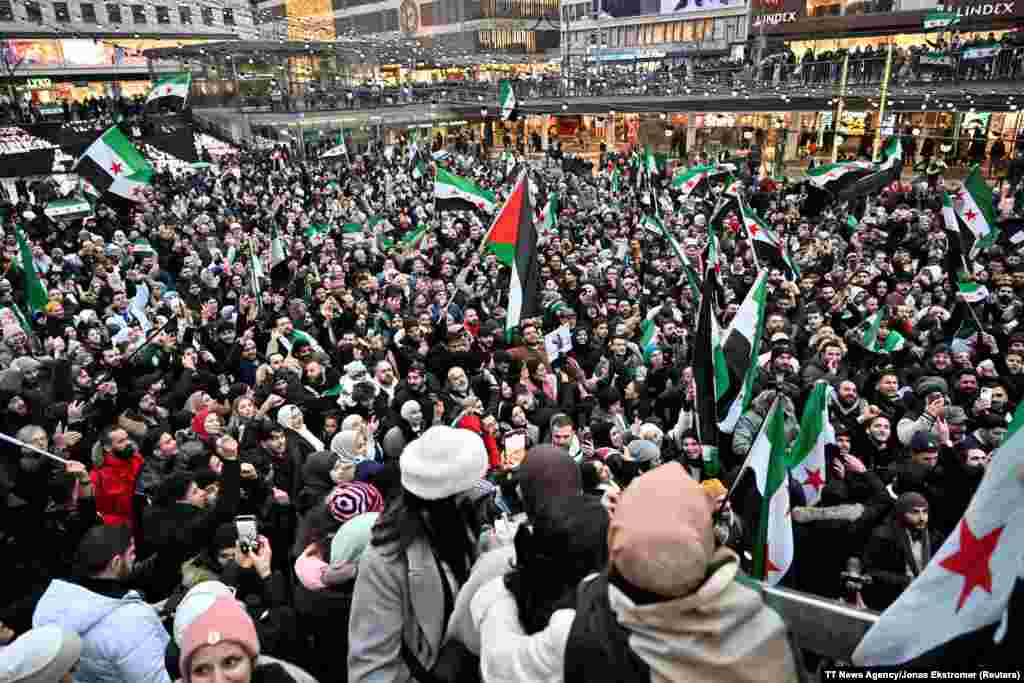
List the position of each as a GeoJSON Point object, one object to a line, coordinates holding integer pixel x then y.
{"type": "Point", "coordinates": [642, 450]}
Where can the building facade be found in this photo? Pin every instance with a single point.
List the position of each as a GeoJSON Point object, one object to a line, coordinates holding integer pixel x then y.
{"type": "Point", "coordinates": [598, 32]}
{"type": "Point", "coordinates": [526, 26]}
{"type": "Point", "coordinates": [73, 50]}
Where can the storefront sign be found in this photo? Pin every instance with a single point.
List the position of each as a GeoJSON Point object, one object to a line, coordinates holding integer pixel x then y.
{"type": "Point", "coordinates": [38, 83]}
{"type": "Point", "coordinates": [988, 9]}
{"type": "Point", "coordinates": [774, 19]}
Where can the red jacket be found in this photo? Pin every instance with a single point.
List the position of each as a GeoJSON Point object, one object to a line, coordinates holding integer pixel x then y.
{"type": "Point", "coordinates": [113, 484]}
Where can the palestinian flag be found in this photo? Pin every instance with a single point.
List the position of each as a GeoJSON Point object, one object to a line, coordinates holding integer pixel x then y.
{"type": "Point", "coordinates": [820, 176]}
{"type": "Point", "coordinates": [549, 216]}
{"type": "Point", "coordinates": [969, 593]}
{"type": "Point", "coordinates": [687, 181]}
{"type": "Point", "coordinates": [709, 374]}
{"type": "Point", "coordinates": [741, 347]}
{"type": "Point", "coordinates": [513, 239]}
{"type": "Point", "coordinates": [807, 460]}
{"type": "Point", "coordinates": [973, 204]}
{"type": "Point", "coordinates": [455, 193]}
{"type": "Point", "coordinates": [507, 100]}
{"type": "Point", "coordinates": [115, 167]}
{"type": "Point", "coordinates": [68, 209]}
{"type": "Point", "coordinates": [773, 549]}
{"type": "Point", "coordinates": [173, 86]}
{"type": "Point", "coordinates": [893, 340]}
{"type": "Point", "coordinates": [36, 297]}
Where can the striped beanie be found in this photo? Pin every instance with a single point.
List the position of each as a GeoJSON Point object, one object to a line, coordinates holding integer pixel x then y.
{"type": "Point", "coordinates": [353, 498]}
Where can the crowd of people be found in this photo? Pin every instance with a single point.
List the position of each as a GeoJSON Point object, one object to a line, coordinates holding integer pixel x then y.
{"type": "Point", "coordinates": [269, 430]}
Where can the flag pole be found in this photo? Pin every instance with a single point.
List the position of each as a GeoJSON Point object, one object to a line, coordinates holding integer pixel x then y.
{"type": "Point", "coordinates": [30, 447]}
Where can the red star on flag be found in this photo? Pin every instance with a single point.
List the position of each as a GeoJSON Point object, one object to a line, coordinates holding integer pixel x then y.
{"type": "Point", "coordinates": [970, 215]}
{"type": "Point", "coordinates": [115, 168]}
{"type": "Point", "coordinates": [769, 566]}
{"type": "Point", "coordinates": [690, 184]}
{"type": "Point", "coordinates": [961, 196]}
{"type": "Point", "coordinates": [752, 228]}
{"type": "Point", "coordinates": [814, 479]}
{"type": "Point", "coordinates": [832, 175]}
{"type": "Point", "coordinates": [972, 560]}
{"type": "Point", "coordinates": [167, 89]}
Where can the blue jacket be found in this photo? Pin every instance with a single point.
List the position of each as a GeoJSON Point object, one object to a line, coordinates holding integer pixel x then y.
{"type": "Point", "coordinates": [123, 640]}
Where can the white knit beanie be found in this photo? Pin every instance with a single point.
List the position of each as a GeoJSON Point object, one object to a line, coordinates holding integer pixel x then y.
{"type": "Point", "coordinates": [443, 462]}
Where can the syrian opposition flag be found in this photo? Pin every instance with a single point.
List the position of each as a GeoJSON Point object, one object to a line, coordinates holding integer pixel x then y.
{"type": "Point", "coordinates": [278, 259]}
{"type": "Point", "coordinates": [773, 549]}
{"type": "Point", "coordinates": [892, 155]}
{"type": "Point", "coordinates": [507, 100]}
{"type": "Point", "coordinates": [419, 170]}
{"type": "Point", "coordinates": [455, 193]}
{"type": "Point", "coordinates": [68, 209]}
{"type": "Point", "coordinates": [513, 239]}
{"type": "Point", "coordinates": [972, 292]}
{"type": "Point", "coordinates": [741, 346]}
{"type": "Point", "coordinates": [175, 85]}
{"type": "Point", "coordinates": [973, 204]}
{"type": "Point", "coordinates": [687, 181]}
{"type": "Point", "coordinates": [36, 297]}
{"type": "Point", "coordinates": [820, 176]}
{"type": "Point", "coordinates": [114, 166]}
{"type": "Point", "coordinates": [655, 225]}
{"type": "Point", "coordinates": [893, 341]}
{"type": "Point", "coordinates": [340, 149]}
{"type": "Point", "coordinates": [650, 163]}
{"type": "Point", "coordinates": [711, 376]}
{"type": "Point", "coordinates": [950, 614]}
{"type": "Point", "coordinates": [616, 180]}
{"type": "Point", "coordinates": [807, 460]}
{"type": "Point", "coordinates": [768, 248]}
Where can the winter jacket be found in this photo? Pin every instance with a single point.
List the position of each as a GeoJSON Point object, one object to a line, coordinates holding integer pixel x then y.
{"type": "Point", "coordinates": [122, 638]}
{"type": "Point", "coordinates": [721, 632]}
{"type": "Point", "coordinates": [114, 485]}
{"type": "Point", "coordinates": [397, 597]}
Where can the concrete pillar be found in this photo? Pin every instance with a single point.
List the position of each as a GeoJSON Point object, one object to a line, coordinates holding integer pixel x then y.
{"type": "Point", "coordinates": [691, 135]}
{"type": "Point", "coordinates": [545, 125]}
{"type": "Point", "coordinates": [610, 132]}
{"type": "Point", "coordinates": [792, 145]}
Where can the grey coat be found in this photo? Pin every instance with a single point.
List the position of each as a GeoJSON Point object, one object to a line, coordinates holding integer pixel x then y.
{"type": "Point", "coordinates": [397, 596]}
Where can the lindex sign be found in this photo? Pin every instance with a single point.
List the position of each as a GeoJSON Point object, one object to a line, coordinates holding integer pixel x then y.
{"type": "Point", "coordinates": [988, 9]}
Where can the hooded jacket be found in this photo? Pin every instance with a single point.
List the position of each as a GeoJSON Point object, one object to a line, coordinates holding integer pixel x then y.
{"type": "Point", "coordinates": [114, 485]}
{"type": "Point", "coordinates": [122, 638]}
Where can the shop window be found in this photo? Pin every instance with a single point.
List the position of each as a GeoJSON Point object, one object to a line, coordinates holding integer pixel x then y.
{"type": "Point", "coordinates": [427, 14]}
{"type": "Point", "coordinates": [60, 10]}
{"type": "Point", "coordinates": [6, 10]}
{"type": "Point", "coordinates": [88, 12]}
{"type": "Point", "coordinates": [229, 16]}
{"type": "Point", "coordinates": [688, 32]}
{"type": "Point", "coordinates": [659, 33]}
{"type": "Point", "coordinates": [33, 13]}
{"type": "Point", "coordinates": [208, 16]}
{"type": "Point", "coordinates": [163, 15]}
{"type": "Point", "coordinates": [113, 13]}
{"type": "Point", "coordinates": [390, 19]}
{"type": "Point", "coordinates": [139, 14]}
{"type": "Point", "coordinates": [185, 15]}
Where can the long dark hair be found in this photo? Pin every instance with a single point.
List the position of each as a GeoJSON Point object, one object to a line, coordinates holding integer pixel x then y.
{"type": "Point", "coordinates": [568, 541]}
{"type": "Point", "coordinates": [442, 523]}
